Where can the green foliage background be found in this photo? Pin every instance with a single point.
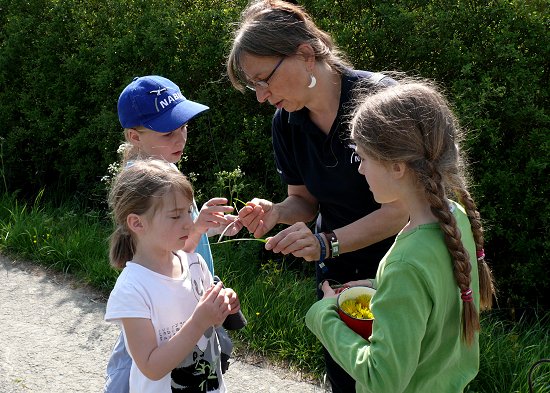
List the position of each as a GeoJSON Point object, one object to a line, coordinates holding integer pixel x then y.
{"type": "Point", "coordinates": [64, 63]}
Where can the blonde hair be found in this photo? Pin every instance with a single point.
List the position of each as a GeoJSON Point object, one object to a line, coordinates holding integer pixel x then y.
{"type": "Point", "coordinates": [412, 122]}
{"type": "Point", "coordinates": [138, 189]}
{"type": "Point", "coordinates": [128, 151]}
{"type": "Point", "coordinates": [277, 28]}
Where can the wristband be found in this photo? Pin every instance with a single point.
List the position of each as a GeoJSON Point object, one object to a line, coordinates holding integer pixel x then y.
{"type": "Point", "coordinates": [334, 244]}
{"type": "Point", "coordinates": [323, 248]}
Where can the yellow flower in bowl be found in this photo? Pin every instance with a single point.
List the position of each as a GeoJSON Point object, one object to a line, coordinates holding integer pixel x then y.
{"type": "Point", "coordinates": [354, 309]}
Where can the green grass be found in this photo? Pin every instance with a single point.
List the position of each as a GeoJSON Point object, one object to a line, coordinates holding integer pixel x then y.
{"type": "Point", "coordinates": [64, 239]}
{"type": "Point", "coordinates": [274, 297]}
{"type": "Point", "coordinates": [274, 300]}
{"type": "Point", "coordinates": [508, 350]}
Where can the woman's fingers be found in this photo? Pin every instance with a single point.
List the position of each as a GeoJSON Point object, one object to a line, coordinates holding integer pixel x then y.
{"type": "Point", "coordinates": [251, 218]}
{"type": "Point", "coordinates": [296, 240]}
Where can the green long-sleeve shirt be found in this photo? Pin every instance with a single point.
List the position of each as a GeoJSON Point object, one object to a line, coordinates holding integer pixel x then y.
{"type": "Point", "coordinates": [416, 343]}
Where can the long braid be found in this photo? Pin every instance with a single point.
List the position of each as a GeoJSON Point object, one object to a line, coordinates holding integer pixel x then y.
{"type": "Point", "coordinates": [486, 281]}
{"type": "Point", "coordinates": [459, 255]}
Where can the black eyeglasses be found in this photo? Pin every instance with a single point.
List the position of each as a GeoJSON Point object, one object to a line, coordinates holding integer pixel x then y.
{"type": "Point", "coordinates": [263, 83]}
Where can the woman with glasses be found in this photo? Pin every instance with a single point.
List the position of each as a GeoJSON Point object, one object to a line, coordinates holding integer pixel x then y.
{"type": "Point", "coordinates": [280, 54]}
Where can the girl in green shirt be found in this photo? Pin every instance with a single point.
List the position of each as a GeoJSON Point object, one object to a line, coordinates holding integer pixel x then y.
{"type": "Point", "coordinates": [433, 281]}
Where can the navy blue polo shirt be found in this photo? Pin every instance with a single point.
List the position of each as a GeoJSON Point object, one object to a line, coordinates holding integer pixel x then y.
{"type": "Point", "coordinates": [328, 167]}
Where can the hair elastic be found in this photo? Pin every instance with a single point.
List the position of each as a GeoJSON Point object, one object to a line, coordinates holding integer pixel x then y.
{"type": "Point", "coordinates": [480, 254]}
{"type": "Point", "coordinates": [466, 295]}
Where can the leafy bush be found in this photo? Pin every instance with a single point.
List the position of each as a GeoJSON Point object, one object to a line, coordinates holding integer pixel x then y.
{"type": "Point", "coordinates": [64, 63]}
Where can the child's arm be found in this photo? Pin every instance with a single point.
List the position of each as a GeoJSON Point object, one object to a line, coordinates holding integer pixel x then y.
{"type": "Point", "coordinates": [402, 310]}
{"type": "Point", "coordinates": [362, 283]}
{"type": "Point", "coordinates": [156, 361]}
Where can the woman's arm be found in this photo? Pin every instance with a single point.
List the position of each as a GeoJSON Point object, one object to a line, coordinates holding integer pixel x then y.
{"type": "Point", "coordinates": [299, 241]}
{"type": "Point", "coordinates": [299, 206]}
{"type": "Point", "coordinates": [374, 227]}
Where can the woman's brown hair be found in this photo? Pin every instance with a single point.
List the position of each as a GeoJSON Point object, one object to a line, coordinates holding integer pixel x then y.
{"type": "Point", "coordinates": [277, 28]}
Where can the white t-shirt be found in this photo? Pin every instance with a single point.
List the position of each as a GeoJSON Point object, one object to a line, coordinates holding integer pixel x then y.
{"type": "Point", "coordinates": [168, 303]}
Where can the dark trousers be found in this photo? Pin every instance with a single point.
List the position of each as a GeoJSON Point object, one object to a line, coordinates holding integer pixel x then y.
{"type": "Point", "coordinates": [339, 379]}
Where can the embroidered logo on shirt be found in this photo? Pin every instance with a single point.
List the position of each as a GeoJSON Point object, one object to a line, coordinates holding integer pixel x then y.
{"type": "Point", "coordinates": [354, 156]}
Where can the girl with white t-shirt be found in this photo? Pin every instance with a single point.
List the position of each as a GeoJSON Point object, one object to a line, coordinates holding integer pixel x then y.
{"type": "Point", "coordinates": [164, 298]}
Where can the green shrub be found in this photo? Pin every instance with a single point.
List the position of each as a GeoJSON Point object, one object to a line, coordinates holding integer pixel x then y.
{"type": "Point", "coordinates": [64, 63]}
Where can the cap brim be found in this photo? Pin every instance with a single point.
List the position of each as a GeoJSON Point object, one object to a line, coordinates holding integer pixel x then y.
{"type": "Point", "coordinates": [176, 117]}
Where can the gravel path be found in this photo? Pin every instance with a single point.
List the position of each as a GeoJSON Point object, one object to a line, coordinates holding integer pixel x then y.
{"type": "Point", "coordinates": [53, 339]}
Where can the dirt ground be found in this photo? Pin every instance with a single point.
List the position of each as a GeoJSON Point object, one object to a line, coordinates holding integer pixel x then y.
{"type": "Point", "coordinates": [53, 339]}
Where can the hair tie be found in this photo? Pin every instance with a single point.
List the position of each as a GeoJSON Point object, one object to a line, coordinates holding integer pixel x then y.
{"type": "Point", "coordinates": [480, 254]}
{"type": "Point", "coordinates": [466, 295]}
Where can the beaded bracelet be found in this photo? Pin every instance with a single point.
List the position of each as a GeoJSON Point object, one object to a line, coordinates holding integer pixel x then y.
{"type": "Point", "coordinates": [323, 248]}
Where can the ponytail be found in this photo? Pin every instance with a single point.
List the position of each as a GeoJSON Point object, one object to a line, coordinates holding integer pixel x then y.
{"type": "Point", "coordinates": [122, 248]}
{"type": "Point", "coordinates": [129, 152]}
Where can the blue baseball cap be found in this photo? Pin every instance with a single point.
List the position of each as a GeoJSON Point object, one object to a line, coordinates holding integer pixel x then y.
{"type": "Point", "coordinates": [156, 103]}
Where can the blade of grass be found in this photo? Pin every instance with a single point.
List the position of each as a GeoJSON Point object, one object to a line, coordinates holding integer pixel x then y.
{"type": "Point", "coordinates": [226, 228]}
{"type": "Point", "coordinates": [239, 240]}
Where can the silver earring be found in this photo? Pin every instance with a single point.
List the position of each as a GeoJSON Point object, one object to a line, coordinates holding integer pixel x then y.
{"type": "Point", "coordinates": [313, 81]}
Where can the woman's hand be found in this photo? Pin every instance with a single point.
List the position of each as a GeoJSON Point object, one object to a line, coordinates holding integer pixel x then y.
{"type": "Point", "coordinates": [259, 216]}
{"type": "Point", "coordinates": [297, 240]}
